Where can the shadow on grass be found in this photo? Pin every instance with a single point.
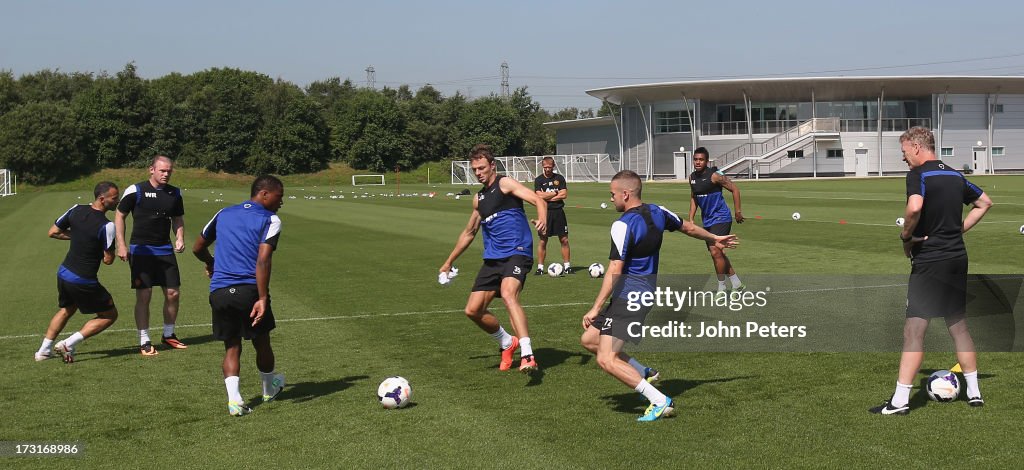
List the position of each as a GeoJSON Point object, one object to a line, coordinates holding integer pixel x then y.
{"type": "Point", "coordinates": [86, 355]}
{"type": "Point", "coordinates": [195, 340]}
{"type": "Point", "coordinates": [306, 391]}
{"type": "Point", "coordinates": [546, 357]}
{"type": "Point", "coordinates": [635, 403]}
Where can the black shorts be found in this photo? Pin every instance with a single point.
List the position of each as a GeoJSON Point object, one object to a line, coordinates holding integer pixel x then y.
{"type": "Point", "coordinates": [557, 225]}
{"type": "Point", "coordinates": [616, 318]}
{"type": "Point", "coordinates": [938, 289]}
{"type": "Point", "coordinates": [723, 228]}
{"type": "Point", "coordinates": [154, 270]}
{"type": "Point", "coordinates": [495, 270]}
{"type": "Point", "coordinates": [231, 309]}
{"type": "Point", "coordinates": [87, 298]}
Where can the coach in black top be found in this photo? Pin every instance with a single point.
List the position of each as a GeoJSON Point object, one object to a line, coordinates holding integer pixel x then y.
{"type": "Point", "coordinates": [156, 208]}
{"type": "Point", "coordinates": [78, 288]}
{"type": "Point", "coordinates": [551, 187]}
{"type": "Point", "coordinates": [932, 238]}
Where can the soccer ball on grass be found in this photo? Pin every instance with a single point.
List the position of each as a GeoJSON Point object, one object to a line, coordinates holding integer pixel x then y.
{"type": "Point", "coordinates": [943, 386]}
{"type": "Point", "coordinates": [394, 392]}
{"type": "Point", "coordinates": [555, 270]}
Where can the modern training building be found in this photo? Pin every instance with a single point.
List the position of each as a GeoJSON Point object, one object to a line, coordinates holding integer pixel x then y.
{"type": "Point", "coordinates": [787, 127]}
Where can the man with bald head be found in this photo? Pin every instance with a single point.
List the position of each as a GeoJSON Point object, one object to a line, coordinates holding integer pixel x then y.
{"type": "Point", "coordinates": [157, 210]}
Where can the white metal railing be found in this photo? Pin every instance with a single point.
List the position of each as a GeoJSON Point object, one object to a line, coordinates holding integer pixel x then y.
{"type": "Point", "coordinates": [888, 125]}
{"type": "Point", "coordinates": [759, 149]}
{"type": "Point", "coordinates": [575, 168]}
{"type": "Point", "coordinates": [740, 127]}
{"type": "Point", "coordinates": [781, 125]}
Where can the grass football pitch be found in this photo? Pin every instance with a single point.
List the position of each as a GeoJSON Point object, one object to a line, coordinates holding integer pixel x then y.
{"type": "Point", "coordinates": [356, 296]}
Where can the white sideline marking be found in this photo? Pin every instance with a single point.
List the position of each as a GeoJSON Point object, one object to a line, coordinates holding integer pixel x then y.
{"type": "Point", "coordinates": [836, 222]}
{"type": "Point", "coordinates": [339, 317]}
{"type": "Point", "coordinates": [1002, 203]}
{"type": "Point", "coordinates": [398, 314]}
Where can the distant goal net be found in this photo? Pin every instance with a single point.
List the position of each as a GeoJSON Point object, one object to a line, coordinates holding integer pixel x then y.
{"type": "Point", "coordinates": [367, 180]}
{"type": "Point", "coordinates": [8, 183]}
{"type": "Point", "coordinates": [575, 168]}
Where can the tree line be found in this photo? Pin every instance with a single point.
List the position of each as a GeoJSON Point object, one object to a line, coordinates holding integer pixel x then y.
{"type": "Point", "coordinates": [55, 126]}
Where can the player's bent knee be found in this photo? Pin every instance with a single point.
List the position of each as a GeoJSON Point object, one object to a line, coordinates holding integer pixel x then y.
{"type": "Point", "coordinates": [588, 343]}
{"type": "Point", "coordinates": [173, 294]}
{"type": "Point", "coordinates": [510, 294]}
{"type": "Point", "coordinates": [606, 360]}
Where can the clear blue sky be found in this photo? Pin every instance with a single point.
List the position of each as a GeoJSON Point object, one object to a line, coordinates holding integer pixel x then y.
{"type": "Point", "coordinates": [557, 49]}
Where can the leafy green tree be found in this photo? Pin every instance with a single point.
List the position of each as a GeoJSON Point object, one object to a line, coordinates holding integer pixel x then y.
{"type": "Point", "coordinates": [51, 85]}
{"type": "Point", "coordinates": [224, 118]}
{"type": "Point", "coordinates": [172, 124]}
{"type": "Point", "coordinates": [42, 142]}
{"type": "Point", "coordinates": [369, 131]}
{"type": "Point", "coordinates": [9, 97]}
{"type": "Point", "coordinates": [294, 137]}
{"type": "Point", "coordinates": [487, 120]}
{"type": "Point", "coordinates": [117, 119]}
{"type": "Point", "coordinates": [427, 129]}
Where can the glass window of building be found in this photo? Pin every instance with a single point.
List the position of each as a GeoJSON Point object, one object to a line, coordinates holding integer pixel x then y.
{"type": "Point", "coordinates": [671, 121]}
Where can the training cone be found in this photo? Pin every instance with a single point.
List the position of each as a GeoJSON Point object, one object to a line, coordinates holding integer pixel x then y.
{"type": "Point", "coordinates": [956, 368]}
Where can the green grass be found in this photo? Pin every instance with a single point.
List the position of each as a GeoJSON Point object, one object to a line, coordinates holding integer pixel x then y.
{"type": "Point", "coordinates": [355, 294]}
{"type": "Point", "coordinates": [337, 174]}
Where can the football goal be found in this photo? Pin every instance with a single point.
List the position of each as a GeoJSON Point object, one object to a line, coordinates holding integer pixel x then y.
{"type": "Point", "coordinates": [367, 180]}
{"type": "Point", "coordinates": [575, 168]}
{"type": "Point", "coordinates": [8, 183]}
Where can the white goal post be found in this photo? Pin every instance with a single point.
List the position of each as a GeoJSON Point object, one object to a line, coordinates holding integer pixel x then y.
{"type": "Point", "coordinates": [367, 180]}
{"type": "Point", "coordinates": [8, 183]}
{"type": "Point", "coordinates": [575, 168]}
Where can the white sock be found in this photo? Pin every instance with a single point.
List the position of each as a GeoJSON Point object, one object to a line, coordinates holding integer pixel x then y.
{"type": "Point", "coordinates": [143, 337]}
{"type": "Point", "coordinates": [268, 379]}
{"type": "Point", "coordinates": [721, 286]}
{"type": "Point", "coordinates": [168, 330]}
{"type": "Point", "coordinates": [735, 281]}
{"type": "Point", "coordinates": [231, 383]}
{"type": "Point", "coordinates": [651, 393]}
{"type": "Point", "coordinates": [525, 347]}
{"type": "Point", "coordinates": [902, 395]}
{"type": "Point", "coordinates": [47, 346]}
{"type": "Point", "coordinates": [972, 384]}
{"type": "Point", "coordinates": [540, 266]}
{"type": "Point", "coordinates": [638, 366]}
{"type": "Point", "coordinates": [74, 339]}
{"type": "Point", "coordinates": [566, 265]}
{"type": "Point", "coordinates": [504, 339]}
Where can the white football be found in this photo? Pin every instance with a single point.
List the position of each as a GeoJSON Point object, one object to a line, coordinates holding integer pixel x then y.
{"type": "Point", "coordinates": [899, 222]}
{"type": "Point", "coordinates": [596, 270]}
{"type": "Point", "coordinates": [604, 205]}
{"type": "Point", "coordinates": [394, 392]}
{"type": "Point", "coordinates": [555, 269]}
{"type": "Point", "coordinates": [458, 196]}
{"type": "Point", "coordinates": [1022, 229]}
{"type": "Point", "coordinates": [796, 216]}
{"type": "Point", "coordinates": [943, 386]}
